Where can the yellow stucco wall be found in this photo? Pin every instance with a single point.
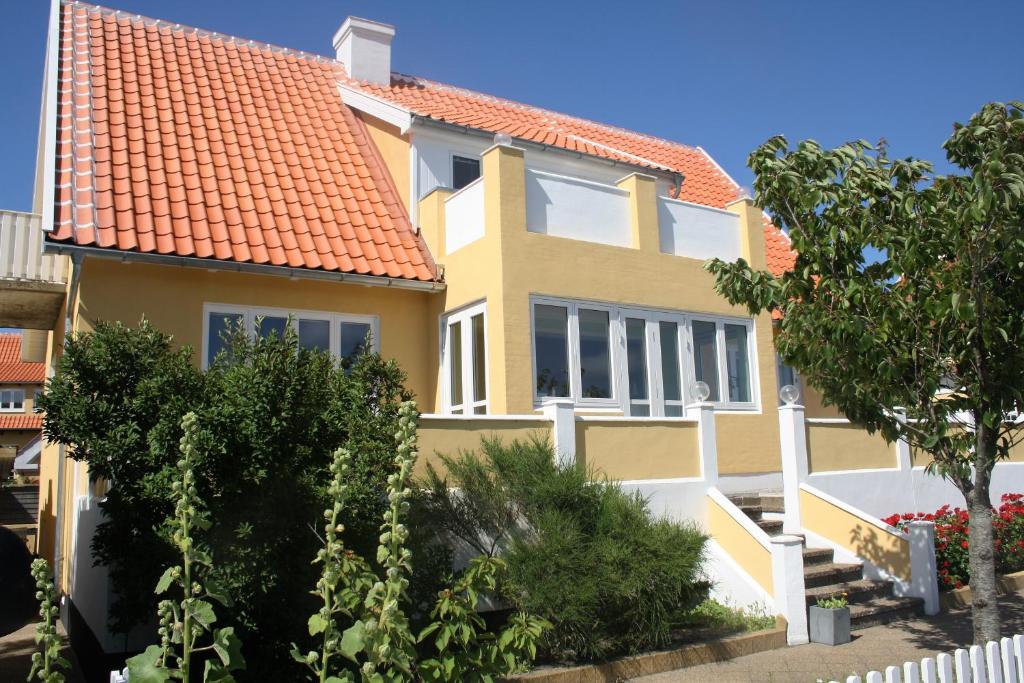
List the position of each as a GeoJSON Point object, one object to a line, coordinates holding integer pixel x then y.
{"type": "Point", "coordinates": [832, 446]}
{"type": "Point", "coordinates": [454, 436]}
{"type": "Point", "coordinates": [755, 559]}
{"type": "Point", "coordinates": [172, 299]}
{"type": "Point", "coordinates": [630, 451]}
{"type": "Point", "coordinates": [814, 405]}
{"type": "Point", "coordinates": [873, 543]}
{"type": "Point", "coordinates": [394, 150]}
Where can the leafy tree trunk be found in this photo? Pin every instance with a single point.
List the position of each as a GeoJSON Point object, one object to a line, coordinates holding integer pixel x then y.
{"type": "Point", "coordinates": [981, 550]}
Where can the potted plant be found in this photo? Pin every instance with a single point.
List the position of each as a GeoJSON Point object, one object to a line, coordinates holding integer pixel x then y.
{"type": "Point", "coordinates": [830, 620]}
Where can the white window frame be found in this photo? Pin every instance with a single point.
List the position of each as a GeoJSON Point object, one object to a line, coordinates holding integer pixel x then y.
{"type": "Point", "coordinates": [250, 313]}
{"type": "Point", "coordinates": [620, 400]}
{"type": "Point", "coordinates": [616, 338]}
{"type": "Point", "coordinates": [464, 317]}
{"type": "Point", "coordinates": [8, 398]}
{"type": "Point", "coordinates": [451, 167]}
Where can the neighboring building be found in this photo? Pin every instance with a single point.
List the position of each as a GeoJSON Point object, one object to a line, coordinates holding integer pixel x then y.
{"type": "Point", "coordinates": [20, 384]}
{"type": "Point", "coordinates": [528, 270]}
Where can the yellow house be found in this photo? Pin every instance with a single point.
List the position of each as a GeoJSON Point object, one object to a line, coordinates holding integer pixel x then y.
{"type": "Point", "coordinates": [528, 269]}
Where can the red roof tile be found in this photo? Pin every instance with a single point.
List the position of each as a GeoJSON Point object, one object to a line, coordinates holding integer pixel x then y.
{"type": "Point", "coordinates": [21, 421]}
{"type": "Point", "coordinates": [12, 369]}
{"type": "Point", "coordinates": [179, 142]}
{"type": "Point", "coordinates": [705, 182]}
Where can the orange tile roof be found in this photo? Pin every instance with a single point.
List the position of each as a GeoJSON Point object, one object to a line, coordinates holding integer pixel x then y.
{"type": "Point", "coordinates": [175, 141]}
{"type": "Point", "coordinates": [21, 421]}
{"type": "Point", "coordinates": [12, 369]}
{"type": "Point", "coordinates": [705, 182]}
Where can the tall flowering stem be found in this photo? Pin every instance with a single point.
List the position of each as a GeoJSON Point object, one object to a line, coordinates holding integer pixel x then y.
{"type": "Point", "coordinates": [46, 662]}
{"type": "Point", "coordinates": [183, 622]}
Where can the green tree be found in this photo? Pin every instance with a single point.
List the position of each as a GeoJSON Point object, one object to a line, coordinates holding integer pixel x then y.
{"type": "Point", "coordinates": [934, 325]}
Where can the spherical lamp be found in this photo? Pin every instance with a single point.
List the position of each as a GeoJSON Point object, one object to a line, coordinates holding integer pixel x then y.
{"type": "Point", "coordinates": [702, 391]}
{"type": "Point", "coordinates": [789, 394]}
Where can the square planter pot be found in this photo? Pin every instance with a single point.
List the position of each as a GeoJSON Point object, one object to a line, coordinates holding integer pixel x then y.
{"type": "Point", "coordinates": [829, 626]}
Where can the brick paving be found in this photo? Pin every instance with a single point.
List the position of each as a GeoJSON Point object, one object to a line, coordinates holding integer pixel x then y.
{"type": "Point", "coordinates": [871, 649]}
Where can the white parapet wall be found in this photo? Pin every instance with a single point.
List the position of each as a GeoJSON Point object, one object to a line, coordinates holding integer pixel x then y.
{"type": "Point", "coordinates": [464, 216]}
{"type": "Point", "coordinates": [562, 206]}
{"type": "Point", "coordinates": [697, 231]}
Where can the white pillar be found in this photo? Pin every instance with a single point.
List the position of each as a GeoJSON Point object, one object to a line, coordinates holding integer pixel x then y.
{"type": "Point", "coordinates": [707, 441]}
{"type": "Point", "coordinates": [788, 586]}
{"type": "Point", "coordinates": [793, 445]}
{"type": "Point", "coordinates": [924, 580]}
{"type": "Point", "coordinates": [563, 418]}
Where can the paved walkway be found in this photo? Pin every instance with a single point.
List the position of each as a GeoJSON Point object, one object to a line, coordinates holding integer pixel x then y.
{"type": "Point", "coordinates": [871, 649]}
{"type": "Point", "coordinates": [16, 650]}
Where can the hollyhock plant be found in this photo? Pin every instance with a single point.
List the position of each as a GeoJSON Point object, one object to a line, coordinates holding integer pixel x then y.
{"type": "Point", "coordinates": [952, 525]}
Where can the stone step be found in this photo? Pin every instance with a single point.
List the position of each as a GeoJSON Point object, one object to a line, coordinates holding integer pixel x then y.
{"type": "Point", "coordinates": [818, 575]}
{"type": "Point", "coordinates": [752, 511]}
{"type": "Point", "coordinates": [773, 502]}
{"type": "Point", "coordinates": [815, 556]}
{"type": "Point", "coordinates": [772, 527]}
{"type": "Point", "coordinates": [884, 610]}
{"type": "Point", "coordinates": [860, 591]}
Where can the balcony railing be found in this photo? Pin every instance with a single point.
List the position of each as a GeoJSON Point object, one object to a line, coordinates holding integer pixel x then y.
{"type": "Point", "coordinates": [21, 251]}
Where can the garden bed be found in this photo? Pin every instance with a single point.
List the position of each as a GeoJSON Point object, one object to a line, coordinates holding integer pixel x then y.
{"type": "Point", "coordinates": [961, 597]}
{"type": "Point", "coordinates": [692, 654]}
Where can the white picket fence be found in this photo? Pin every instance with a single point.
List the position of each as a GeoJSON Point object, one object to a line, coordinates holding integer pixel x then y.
{"type": "Point", "coordinates": [1001, 662]}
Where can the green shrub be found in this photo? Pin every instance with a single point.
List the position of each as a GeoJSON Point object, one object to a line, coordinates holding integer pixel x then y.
{"type": "Point", "coordinates": [269, 414]}
{"type": "Point", "coordinates": [581, 552]}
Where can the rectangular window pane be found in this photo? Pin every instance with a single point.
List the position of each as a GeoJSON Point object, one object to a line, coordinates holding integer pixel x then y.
{"type": "Point", "coordinates": [736, 362]}
{"type": "Point", "coordinates": [595, 354]}
{"type": "Point", "coordinates": [220, 326]}
{"type": "Point", "coordinates": [354, 341]}
{"type": "Point", "coordinates": [673, 411]}
{"type": "Point", "coordinates": [464, 171]}
{"type": "Point", "coordinates": [455, 362]}
{"type": "Point", "coordinates": [640, 409]}
{"type": "Point", "coordinates": [705, 359]}
{"type": "Point", "coordinates": [636, 355]}
{"type": "Point", "coordinates": [479, 359]}
{"type": "Point", "coordinates": [315, 334]}
{"type": "Point", "coordinates": [271, 325]}
{"type": "Point", "coordinates": [670, 361]}
{"type": "Point", "coordinates": [551, 346]}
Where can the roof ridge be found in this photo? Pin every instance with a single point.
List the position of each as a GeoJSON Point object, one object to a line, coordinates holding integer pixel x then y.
{"type": "Point", "coordinates": [543, 110]}
{"type": "Point", "coordinates": [186, 28]}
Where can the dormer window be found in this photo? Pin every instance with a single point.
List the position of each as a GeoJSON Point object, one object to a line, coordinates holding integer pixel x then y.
{"type": "Point", "coordinates": [464, 171]}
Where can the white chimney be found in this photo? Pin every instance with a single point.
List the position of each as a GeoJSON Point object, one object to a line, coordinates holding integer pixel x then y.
{"type": "Point", "coordinates": [364, 47]}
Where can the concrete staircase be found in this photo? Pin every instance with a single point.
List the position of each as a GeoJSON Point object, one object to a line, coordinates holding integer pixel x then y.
{"type": "Point", "coordinates": [871, 602]}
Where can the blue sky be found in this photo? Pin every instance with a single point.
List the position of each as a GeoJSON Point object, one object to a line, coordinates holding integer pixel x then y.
{"type": "Point", "coordinates": [722, 75]}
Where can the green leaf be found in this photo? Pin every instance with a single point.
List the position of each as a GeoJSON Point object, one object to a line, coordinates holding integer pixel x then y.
{"type": "Point", "coordinates": [202, 612]}
{"type": "Point", "coordinates": [214, 672]}
{"type": "Point", "coordinates": [317, 624]}
{"type": "Point", "coordinates": [353, 640]}
{"type": "Point", "coordinates": [229, 648]}
{"type": "Point", "coordinates": [165, 581]}
{"type": "Point", "coordinates": [144, 668]}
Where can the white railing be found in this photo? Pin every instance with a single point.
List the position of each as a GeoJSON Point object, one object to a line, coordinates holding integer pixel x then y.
{"type": "Point", "coordinates": [1001, 662]}
{"type": "Point", "coordinates": [563, 206]}
{"type": "Point", "coordinates": [697, 231]}
{"type": "Point", "coordinates": [21, 250]}
{"type": "Point", "coordinates": [464, 216]}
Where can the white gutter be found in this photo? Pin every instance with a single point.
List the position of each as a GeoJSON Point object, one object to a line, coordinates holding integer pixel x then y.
{"type": "Point", "coordinates": [48, 119]}
{"type": "Point", "coordinates": [235, 267]}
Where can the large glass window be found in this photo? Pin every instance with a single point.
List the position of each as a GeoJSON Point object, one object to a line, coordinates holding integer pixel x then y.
{"type": "Point", "coordinates": [705, 355]}
{"type": "Point", "coordinates": [595, 354]}
{"type": "Point", "coordinates": [671, 376]}
{"type": "Point", "coordinates": [465, 357]}
{"type": "Point", "coordinates": [551, 348]}
{"type": "Point", "coordinates": [12, 400]}
{"type": "Point", "coordinates": [737, 363]}
{"type": "Point", "coordinates": [342, 335]}
{"type": "Point", "coordinates": [636, 367]}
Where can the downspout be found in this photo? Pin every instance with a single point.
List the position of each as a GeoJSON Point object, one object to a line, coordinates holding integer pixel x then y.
{"type": "Point", "coordinates": [58, 550]}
